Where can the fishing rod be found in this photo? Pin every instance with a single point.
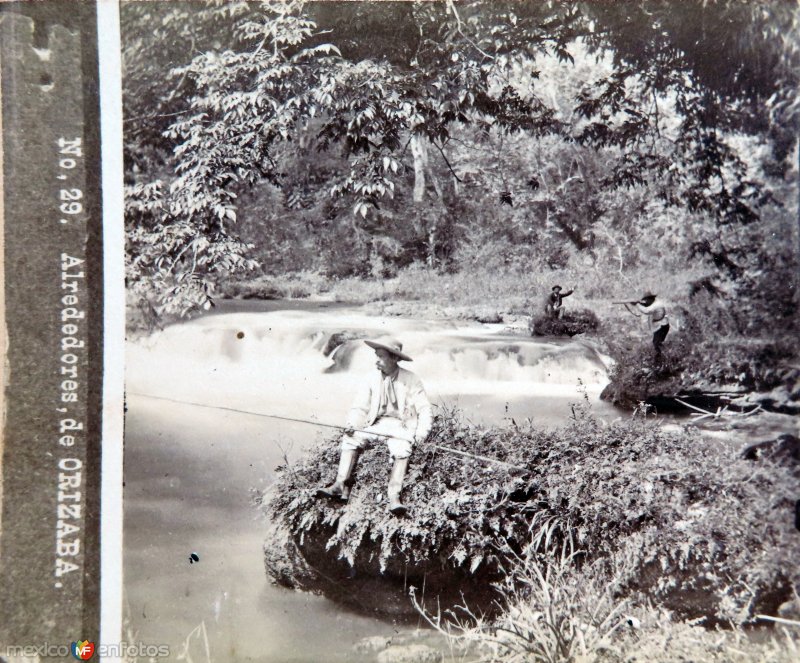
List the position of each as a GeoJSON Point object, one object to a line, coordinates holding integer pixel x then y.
{"type": "Point", "coordinates": [458, 452]}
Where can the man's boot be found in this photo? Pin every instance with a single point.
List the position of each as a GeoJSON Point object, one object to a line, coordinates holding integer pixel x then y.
{"type": "Point", "coordinates": [396, 485]}
{"type": "Point", "coordinates": [340, 488]}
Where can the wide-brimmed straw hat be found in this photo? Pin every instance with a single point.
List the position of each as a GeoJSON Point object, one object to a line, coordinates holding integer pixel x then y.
{"type": "Point", "coordinates": [390, 345]}
{"type": "Point", "coordinates": [648, 295]}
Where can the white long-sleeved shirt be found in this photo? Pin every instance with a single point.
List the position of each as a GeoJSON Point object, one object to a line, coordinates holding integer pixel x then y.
{"type": "Point", "coordinates": [656, 315]}
{"type": "Point", "coordinates": [413, 406]}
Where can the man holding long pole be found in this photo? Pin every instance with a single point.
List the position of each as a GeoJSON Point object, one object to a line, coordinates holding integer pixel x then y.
{"type": "Point", "coordinates": [394, 407]}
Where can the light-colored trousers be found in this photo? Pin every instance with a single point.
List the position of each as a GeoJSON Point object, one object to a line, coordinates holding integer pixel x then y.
{"type": "Point", "coordinates": [399, 442]}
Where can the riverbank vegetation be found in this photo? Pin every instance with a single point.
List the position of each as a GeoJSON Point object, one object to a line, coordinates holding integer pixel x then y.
{"type": "Point", "coordinates": [553, 613]}
{"type": "Point", "coordinates": [459, 163]}
{"type": "Point", "coordinates": [469, 156]}
{"type": "Point", "coordinates": [667, 519]}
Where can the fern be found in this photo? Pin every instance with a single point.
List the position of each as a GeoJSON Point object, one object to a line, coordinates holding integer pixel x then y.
{"type": "Point", "coordinates": [677, 513]}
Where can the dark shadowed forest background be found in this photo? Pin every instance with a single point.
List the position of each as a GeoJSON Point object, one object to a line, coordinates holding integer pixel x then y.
{"type": "Point", "coordinates": [473, 154]}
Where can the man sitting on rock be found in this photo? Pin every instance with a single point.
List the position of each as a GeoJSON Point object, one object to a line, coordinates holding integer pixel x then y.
{"type": "Point", "coordinates": [393, 407]}
{"type": "Point", "coordinates": [554, 304]}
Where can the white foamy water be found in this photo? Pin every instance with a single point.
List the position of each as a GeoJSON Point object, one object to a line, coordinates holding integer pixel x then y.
{"type": "Point", "coordinates": [189, 469]}
{"type": "Point", "coordinates": [274, 362]}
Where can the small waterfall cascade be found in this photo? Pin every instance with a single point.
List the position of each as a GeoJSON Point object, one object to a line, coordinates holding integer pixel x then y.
{"type": "Point", "coordinates": [293, 363]}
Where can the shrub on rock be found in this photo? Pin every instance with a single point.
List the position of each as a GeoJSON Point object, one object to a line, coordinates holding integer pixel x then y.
{"type": "Point", "coordinates": [697, 361]}
{"type": "Point", "coordinates": [570, 323]}
{"type": "Point", "coordinates": [686, 522]}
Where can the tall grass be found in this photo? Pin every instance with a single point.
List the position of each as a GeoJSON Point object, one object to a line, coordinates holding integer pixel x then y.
{"type": "Point", "coordinates": [475, 292]}
{"type": "Point", "coordinates": [549, 612]}
{"type": "Point", "coordinates": [197, 642]}
{"type": "Point", "coordinates": [554, 610]}
{"type": "Point", "coordinates": [199, 634]}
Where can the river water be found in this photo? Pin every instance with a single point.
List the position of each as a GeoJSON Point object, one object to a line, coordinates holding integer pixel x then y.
{"type": "Point", "coordinates": [194, 452]}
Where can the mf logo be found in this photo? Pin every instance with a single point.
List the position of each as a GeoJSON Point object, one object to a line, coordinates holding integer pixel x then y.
{"type": "Point", "coordinates": [82, 650]}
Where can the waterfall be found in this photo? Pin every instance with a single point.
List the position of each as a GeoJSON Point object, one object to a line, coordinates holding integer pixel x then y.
{"type": "Point", "coordinates": [298, 362]}
{"type": "Point", "coordinates": [189, 470]}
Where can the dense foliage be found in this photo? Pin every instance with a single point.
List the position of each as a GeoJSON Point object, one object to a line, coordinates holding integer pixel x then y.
{"type": "Point", "coordinates": [706, 353]}
{"type": "Point", "coordinates": [680, 519]}
{"type": "Point", "coordinates": [270, 136]}
{"type": "Point", "coordinates": [555, 611]}
{"type": "Point", "coordinates": [570, 323]}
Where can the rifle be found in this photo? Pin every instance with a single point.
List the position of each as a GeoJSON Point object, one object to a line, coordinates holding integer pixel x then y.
{"type": "Point", "coordinates": [633, 302]}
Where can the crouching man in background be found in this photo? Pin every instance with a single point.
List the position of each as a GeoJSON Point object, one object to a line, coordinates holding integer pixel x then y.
{"type": "Point", "coordinates": [392, 407]}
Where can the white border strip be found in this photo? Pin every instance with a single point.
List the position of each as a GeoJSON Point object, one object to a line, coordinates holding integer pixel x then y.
{"type": "Point", "coordinates": [109, 55]}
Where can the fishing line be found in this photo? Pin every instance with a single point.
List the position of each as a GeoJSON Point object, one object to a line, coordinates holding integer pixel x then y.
{"type": "Point", "coordinates": [323, 425]}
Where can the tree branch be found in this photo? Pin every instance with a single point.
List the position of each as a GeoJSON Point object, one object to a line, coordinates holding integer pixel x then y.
{"type": "Point", "coordinates": [405, 147]}
{"type": "Point", "coordinates": [153, 117]}
{"type": "Point", "coordinates": [450, 168]}
{"type": "Point", "coordinates": [452, 7]}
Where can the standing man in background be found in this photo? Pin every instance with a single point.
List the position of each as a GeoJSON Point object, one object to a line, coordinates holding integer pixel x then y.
{"type": "Point", "coordinates": [657, 320]}
{"type": "Point", "coordinates": [392, 407]}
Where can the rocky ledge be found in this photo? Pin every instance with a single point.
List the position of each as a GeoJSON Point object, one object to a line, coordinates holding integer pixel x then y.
{"type": "Point", "coordinates": [686, 524]}
{"type": "Point", "coordinates": [738, 376]}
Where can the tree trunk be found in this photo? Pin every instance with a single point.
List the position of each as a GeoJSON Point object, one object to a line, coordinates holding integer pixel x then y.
{"type": "Point", "coordinates": [419, 151]}
{"type": "Point", "coordinates": [420, 155]}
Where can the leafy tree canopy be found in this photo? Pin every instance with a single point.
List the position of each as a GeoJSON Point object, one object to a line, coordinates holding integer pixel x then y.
{"type": "Point", "coordinates": [444, 106]}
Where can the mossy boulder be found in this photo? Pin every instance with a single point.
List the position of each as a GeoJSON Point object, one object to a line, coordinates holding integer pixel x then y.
{"type": "Point", "coordinates": [571, 323]}
{"type": "Point", "coordinates": [687, 523]}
